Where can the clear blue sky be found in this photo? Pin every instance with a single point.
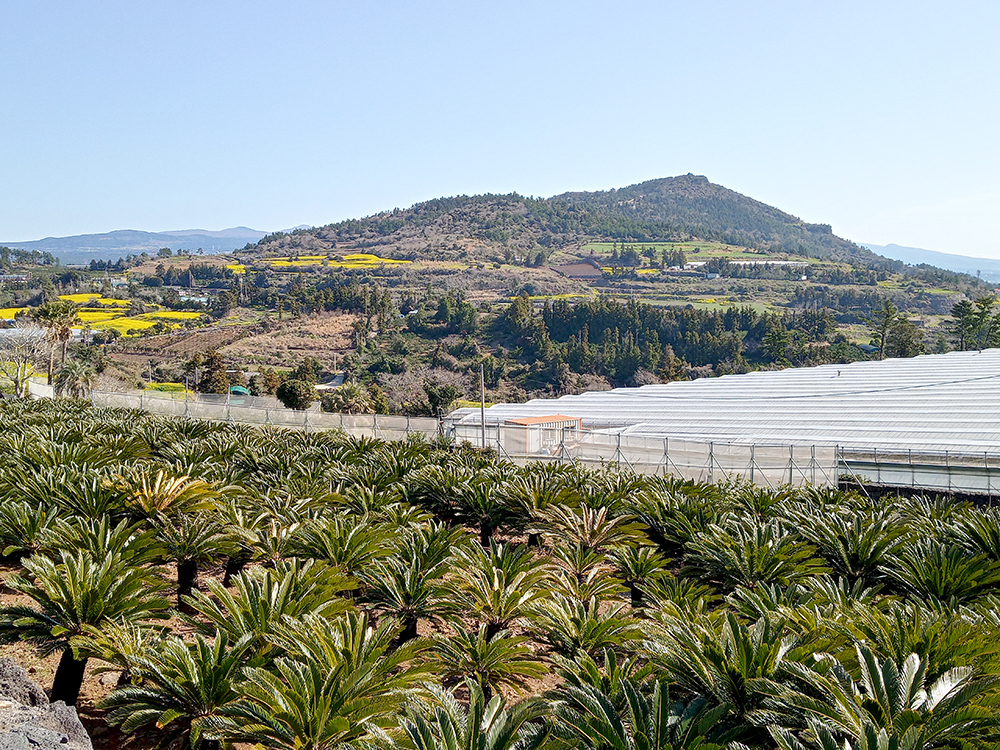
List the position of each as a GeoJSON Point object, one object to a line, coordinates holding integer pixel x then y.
{"type": "Point", "coordinates": [877, 117]}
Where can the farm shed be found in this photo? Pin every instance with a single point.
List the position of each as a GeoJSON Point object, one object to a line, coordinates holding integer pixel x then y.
{"type": "Point", "coordinates": [537, 434]}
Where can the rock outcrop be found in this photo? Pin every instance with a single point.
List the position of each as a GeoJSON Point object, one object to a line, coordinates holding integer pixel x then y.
{"type": "Point", "coordinates": [29, 722]}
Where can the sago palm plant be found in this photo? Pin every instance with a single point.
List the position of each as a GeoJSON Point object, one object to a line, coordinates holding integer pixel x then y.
{"type": "Point", "coordinates": [340, 681]}
{"type": "Point", "coordinates": [584, 717]}
{"type": "Point", "coordinates": [487, 723]}
{"type": "Point", "coordinates": [70, 595]}
{"type": "Point", "coordinates": [891, 705]}
{"type": "Point", "coordinates": [749, 553]}
{"type": "Point", "coordinates": [491, 661]}
{"type": "Point", "coordinates": [495, 586]}
{"type": "Point", "coordinates": [183, 688]}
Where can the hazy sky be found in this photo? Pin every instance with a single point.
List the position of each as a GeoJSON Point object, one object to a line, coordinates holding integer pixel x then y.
{"type": "Point", "coordinates": [879, 118]}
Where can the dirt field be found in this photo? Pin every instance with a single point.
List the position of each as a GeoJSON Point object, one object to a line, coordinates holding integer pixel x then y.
{"type": "Point", "coordinates": [326, 336]}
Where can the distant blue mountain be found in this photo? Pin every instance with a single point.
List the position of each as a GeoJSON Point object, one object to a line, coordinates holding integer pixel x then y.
{"type": "Point", "coordinates": [988, 268]}
{"type": "Point", "coordinates": [84, 248]}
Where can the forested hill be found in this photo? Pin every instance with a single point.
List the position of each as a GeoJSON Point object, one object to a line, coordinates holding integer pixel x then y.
{"type": "Point", "coordinates": [692, 204]}
{"type": "Point", "coordinates": [670, 209]}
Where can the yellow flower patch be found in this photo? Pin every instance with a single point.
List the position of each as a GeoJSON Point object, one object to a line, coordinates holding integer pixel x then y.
{"type": "Point", "coordinates": [94, 316]}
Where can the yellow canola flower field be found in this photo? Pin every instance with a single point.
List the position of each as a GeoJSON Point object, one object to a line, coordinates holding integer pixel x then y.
{"type": "Point", "coordinates": [95, 299]}
{"type": "Point", "coordinates": [354, 260]}
{"type": "Point", "coordinates": [97, 316]}
{"type": "Point", "coordinates": [8, 313]}
{"type": "Point", "coordinates": [124, 325]}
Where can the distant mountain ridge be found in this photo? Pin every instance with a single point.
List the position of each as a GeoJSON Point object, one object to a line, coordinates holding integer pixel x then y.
{"type": "Point", "coordinates": [988, 268]}
{"type": "Point", "coordinates": [667, 209]}
{"type": "Point", "coordinates": [83, 248]}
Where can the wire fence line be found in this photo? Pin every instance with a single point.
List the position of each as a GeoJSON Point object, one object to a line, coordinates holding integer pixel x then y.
{"type": "Point", "coordinates": [705, 461]}
{"type": "Point", "coordinates": [702, 461]}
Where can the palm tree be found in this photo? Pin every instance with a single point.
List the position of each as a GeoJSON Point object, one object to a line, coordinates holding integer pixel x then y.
{"type": "Point", "coordinates": [350, 398]}
{"type": "Point", "coordinates": [58, 317]}
{"type": "Point", "coordinates": [182, 689]}
{"type": "Point", "coordinates": [71, 595]}
{"type": "Point", "coordinates": [75, 379]}
{"type": "Point", "coordinates": [487, 724]}
{"type": "Point", "coordinates": [492, 662]}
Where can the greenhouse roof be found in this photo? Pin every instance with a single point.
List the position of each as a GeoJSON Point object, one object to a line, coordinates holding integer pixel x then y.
{"type": "Point", "coordinates": [930, 403]}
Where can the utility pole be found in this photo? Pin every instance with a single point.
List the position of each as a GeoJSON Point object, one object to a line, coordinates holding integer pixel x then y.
{"type": "Point", "coordinates": [482, 401]}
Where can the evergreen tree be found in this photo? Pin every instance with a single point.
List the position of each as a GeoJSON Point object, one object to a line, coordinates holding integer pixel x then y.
{"type": "Point", "coordinates": [214, 378]}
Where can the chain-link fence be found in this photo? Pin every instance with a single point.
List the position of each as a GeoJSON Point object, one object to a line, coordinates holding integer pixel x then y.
{"type": "Point", "coordinates": [221, 409]}
{"type": "Point", "coordinates": [764, 465]}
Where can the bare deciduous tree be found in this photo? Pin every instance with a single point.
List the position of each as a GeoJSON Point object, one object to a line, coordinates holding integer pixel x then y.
{"type": "Point", "coordinates": [20, 348]}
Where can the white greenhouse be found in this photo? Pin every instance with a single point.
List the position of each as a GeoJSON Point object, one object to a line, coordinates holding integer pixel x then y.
{"type": "Point", "coordinates": [927, 422]}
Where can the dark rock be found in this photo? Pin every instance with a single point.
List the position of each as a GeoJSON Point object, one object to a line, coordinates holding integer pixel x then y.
{"type": "Point", "coordinates": [16, 685]}
{"type": "Point", "coordinates": [38, 726]}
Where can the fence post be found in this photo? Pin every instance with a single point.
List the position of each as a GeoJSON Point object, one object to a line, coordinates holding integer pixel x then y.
{"type": "Point", "coordinates": [618, 452]}
{"type": "Point", "coordinates": [711, 463]}
{"type": "Point", "coordinates": [791, 464]}
{"type": "Point", "coordinates": [812, 464]}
